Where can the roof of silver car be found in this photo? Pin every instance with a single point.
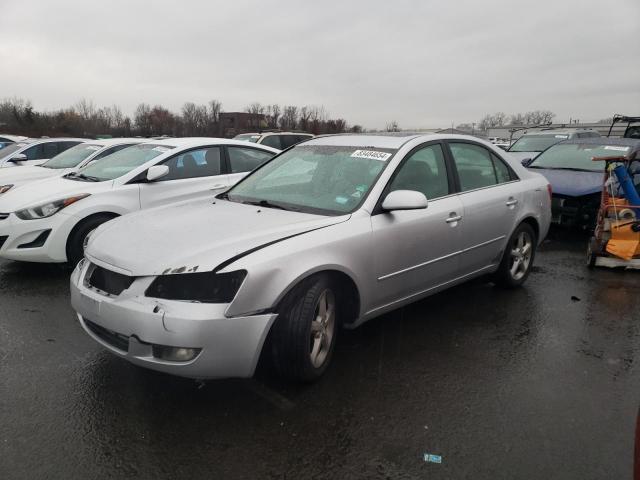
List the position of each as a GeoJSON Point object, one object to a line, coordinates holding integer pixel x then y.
{"type": "Point", "coordinates": [377, 141]}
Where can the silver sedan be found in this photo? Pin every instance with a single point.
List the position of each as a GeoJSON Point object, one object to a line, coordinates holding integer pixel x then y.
{"type": "Point", "coordinates": [329, 234]}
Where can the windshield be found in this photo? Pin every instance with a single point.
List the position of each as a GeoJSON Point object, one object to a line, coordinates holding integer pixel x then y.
{"type": "Point", "coordinates": [11, 148]}
{"type": "Point", "coordinates": [122, 162]}
{"type": "Point", "coordinates": [537, 143]}
{"type": "Point", "coordinates": [577, 157]}
{"type": "Point", "coordinates": [327, 180]}
{"type": "Point", "coordinates": [72, 157]}
{"type": "Point", "coordinates": [247, 138]}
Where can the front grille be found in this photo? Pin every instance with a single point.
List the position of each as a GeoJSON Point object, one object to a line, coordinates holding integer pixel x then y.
{"type": "Point", "coordinates": [3, 239]}
{"type": "Point", "coordinates": [115, 339]}
{"type": "Point", "coordinates": [110, 282]}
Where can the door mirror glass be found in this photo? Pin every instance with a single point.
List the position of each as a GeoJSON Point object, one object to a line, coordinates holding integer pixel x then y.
{"type": "Point", "coordinates": [404, 200]}
{"type": "Point", "coordinates": [156, 172]}
{"type": "Point", "coordinates": [21, 157]}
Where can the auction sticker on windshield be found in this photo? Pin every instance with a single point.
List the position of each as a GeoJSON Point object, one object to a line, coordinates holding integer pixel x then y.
{"type": "Point", "coordinates": [371, 154]}
{"type": "Point", "coordinates": [617, 149]}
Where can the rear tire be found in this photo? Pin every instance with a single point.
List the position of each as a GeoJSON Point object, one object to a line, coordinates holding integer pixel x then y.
{"type": "Point", "coordinates": [304, 335]}
{"type": "Point", "coordinates": [75, 242]}
{"type": "Point", "coordinates": [518, 257]}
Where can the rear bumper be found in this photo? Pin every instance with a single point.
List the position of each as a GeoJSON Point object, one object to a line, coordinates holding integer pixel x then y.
{"type": "Point", "coordinates": [130, 324]}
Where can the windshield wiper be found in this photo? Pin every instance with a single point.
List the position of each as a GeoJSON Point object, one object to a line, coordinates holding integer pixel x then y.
{"type": "Point", "coordinates": [82, 176]}
{"type": "Point", "coordinates": [268, 204]}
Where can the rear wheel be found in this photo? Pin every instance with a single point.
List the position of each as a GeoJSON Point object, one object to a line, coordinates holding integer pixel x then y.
{"type": "Point", "coordinates": [75, 242]}
{"type": "Point", "coordinates": [518, 258]}
{"type": "Point", "coordinates": [305, 332]}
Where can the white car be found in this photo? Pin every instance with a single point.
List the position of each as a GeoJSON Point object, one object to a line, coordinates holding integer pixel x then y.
{"type": "Point", "coordinates": [35, 151]}
{"type": "Point", "coordinates": [47, 221]}
{"type": "Point", "coordinates": [68, 161]}
{"type": "Point", "coordinates": [6, 140]}
{"type": "Point", "coordinates": [279, 140]}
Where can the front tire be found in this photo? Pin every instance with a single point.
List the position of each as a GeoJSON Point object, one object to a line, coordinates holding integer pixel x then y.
{"type": "Point", "coordinates": [75, 242]}
{"type": "Point", "coordinates": [518, 257]}
{"type": "Point", "coordinates": [304, 335]}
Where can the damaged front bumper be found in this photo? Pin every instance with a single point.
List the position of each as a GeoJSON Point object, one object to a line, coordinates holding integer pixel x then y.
{"type": "Point", "coordinates": [139, 329]}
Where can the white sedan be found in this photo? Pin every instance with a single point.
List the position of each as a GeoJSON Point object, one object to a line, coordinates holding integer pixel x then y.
{"type": "Point", "coordinates": [35, 151]}
{"type": "Point", "coordinates": [47, 221]}
{"type": "Point", "coordinates": [66, 162]}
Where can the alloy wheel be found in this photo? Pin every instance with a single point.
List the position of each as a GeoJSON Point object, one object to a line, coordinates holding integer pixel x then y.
{"type": "Point", "coordinates": [322, 328]}
{"type": "Point", "coordinates": [521, 251]}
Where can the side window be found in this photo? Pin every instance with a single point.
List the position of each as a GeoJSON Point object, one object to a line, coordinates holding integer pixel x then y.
{"type": "Point", "coordinates": [246, 159]}
{"type": "Point", "coordinates": [424, 172]}
{"type": "Point", "coordinates": [109, 151]}
{"type": "Point", "coordinates": [289, 140]}
{"type": "Point", "coordinates": [204, 162]}
{"type": "Point", "coordinates": [474, 165]}
{"type": "Point", "coordinates": [503, 173]}
{"type": "Point", "coordinates": [35, 153]}
{"type": "Point", "coordinates": [273, 141]}
{"type": "Point", "coordinates": [51, 149]}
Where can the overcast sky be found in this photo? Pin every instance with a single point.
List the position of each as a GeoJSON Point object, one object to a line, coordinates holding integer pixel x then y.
{"type": "Point", "coordinates": [423, 63]}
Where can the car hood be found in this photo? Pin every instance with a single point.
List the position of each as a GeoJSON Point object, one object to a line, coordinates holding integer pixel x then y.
{"type": "Point", "coordinates": [572, 183]}
{"type": "Point", "coordinates": [47, 190]}
{"type": "Point", "coordinates": [194, 236]}
{"type": "Point", "coordinates": [22, 174]}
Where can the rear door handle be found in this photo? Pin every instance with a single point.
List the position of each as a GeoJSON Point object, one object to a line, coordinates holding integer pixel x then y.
{"type": "Point", "coordinates": [218, 185]}
{"type": "Point", "coordinates": [454, 218]}
{"type": "Point", "coordinates": [511, 202]}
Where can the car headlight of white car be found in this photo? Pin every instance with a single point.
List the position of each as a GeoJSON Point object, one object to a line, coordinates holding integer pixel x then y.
{"type": "Point", "coordinates": [48, 209]}
{"type": "Point", "coordinates": [203, 287]}
{"type": "Point", "coordinates": [5, 188]}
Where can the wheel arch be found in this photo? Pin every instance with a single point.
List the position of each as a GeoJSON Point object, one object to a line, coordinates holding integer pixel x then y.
{"type": "Point", "coordinates": [106, 214]}
{"type": "Point", "coordinates": [533, 223]}
{"type": "Point", "coordinates": [347, 288]}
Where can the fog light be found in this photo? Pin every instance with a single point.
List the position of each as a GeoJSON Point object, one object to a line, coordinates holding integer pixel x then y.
{"type": "Point", "coordinates": [175, 354]}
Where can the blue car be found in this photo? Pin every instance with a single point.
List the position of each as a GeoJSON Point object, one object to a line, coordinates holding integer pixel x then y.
{"type": "Point", "coordinates": [576, 180]}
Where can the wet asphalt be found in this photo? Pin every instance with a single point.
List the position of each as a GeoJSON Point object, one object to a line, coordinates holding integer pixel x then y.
{"type": "Point", "coordinates": [536, 383]}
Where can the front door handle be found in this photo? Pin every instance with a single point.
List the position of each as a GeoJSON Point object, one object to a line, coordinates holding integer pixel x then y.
{"type": "Point", "coordinates": [454, 218]}
{"type": "Point", "coordinates": [511, 202]}
{"type": "Point", "coordinates": [218, 185]}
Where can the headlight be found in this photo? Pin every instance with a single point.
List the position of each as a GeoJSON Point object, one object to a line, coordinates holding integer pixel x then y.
{"type": "Point", "coordinates": [48, 209]}
{"type": "Point", "coordinates": [5, 188]}
{"type": "Point", "coordinates": [205, 287]}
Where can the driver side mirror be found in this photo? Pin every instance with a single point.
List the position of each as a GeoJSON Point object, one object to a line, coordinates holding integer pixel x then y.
{"type": "Point", "coordinates": [526, 162]}
{"type": "Point", "coordinates": [156, 172]}
{"type": "Point", "coordinates": [21, 157]}
{"type": "Point", "coordinates": [404, 200]}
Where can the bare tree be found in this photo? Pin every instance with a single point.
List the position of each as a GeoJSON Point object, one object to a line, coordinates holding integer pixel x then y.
{"type": "Point", "coordinates": [392, 126]}
{"type": "Point", "coordinates": [289, 119]}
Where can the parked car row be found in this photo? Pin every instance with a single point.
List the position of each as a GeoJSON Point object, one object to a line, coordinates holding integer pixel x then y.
{"type": "Point", "coordinates": [187, 265]}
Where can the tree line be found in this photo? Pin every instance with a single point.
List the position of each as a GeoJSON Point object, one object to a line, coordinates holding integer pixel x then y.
{"type": "Point", "coordinates": [86, 119]}
{"type": "Point", "coordinates": [499, 119]}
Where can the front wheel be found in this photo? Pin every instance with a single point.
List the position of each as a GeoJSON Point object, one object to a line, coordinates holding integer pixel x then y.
{"type": "Point", "coordinates": [305, 332]}
{"type": "Point", "coordinates": [75, 242]}
{"type": "Point", "coordinates": [517, 259]}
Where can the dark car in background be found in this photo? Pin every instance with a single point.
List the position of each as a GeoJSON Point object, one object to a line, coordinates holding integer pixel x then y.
{"type": "Point", "coordinates": [576, 179]}
{"type": "Point", "coordinates": [532, 143]}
